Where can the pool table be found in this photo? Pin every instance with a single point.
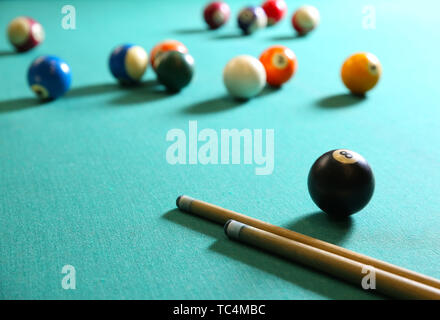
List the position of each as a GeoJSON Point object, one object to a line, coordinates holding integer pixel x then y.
{"type": "Point", "coordinates": [86, 180]}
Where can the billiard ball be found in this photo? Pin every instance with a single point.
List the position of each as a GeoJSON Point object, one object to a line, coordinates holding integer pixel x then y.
{"type": "Point", "coordinates": [49, 77]}
{"type": "Point", "coordinates": [305, 19]}
{"type": "Point", "coordinates": [244, 77]}
{"type": "Point", "coordinates": [360, 72]}
{"type": "Point", "coordinates": [275, 11]}
{"type": "Point", "coordinates": [341, 182]}
{"type": "Point", "coordinates": [174, 70]}
{"type": "Point", "coordinates": [216, 14]}
{"type": "Point", "coordinates": [128, 63]}
{"type": "Point", "coordinates": [25, 33]}
{"type": "Point", "coordinates": [250, 19]}
{"type": "Point", "coordinates": [280, 64]}
{"type": "Point", "coordinates": [165, 46]}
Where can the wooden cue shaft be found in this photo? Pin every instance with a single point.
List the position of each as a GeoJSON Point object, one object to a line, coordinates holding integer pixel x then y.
{"type": "Point", "coordinates": [221, 215]}
{"type": "Point", "coordinates": [387, 283]}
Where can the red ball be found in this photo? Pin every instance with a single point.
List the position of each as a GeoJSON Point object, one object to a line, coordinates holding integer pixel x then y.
{"type": "Point", "coordinates": [216, 14]}
{"type": "Point", "coordinates": [25, 33]}
{"type": "Point", "coordinates": [275, 11]}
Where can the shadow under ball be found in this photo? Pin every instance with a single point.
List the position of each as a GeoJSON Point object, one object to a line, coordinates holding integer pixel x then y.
{"type": "Point", "coordinates": [341, 182]}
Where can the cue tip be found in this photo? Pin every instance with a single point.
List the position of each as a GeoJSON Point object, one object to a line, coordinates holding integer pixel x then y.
{"type": "Point", "coordinates": [184, 203]}
{"type": "Point", "coordinates": [177, 201]}
{"type": "Point", "coordinates": [225, 228]}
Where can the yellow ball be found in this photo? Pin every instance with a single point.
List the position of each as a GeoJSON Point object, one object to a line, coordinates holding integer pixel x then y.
{"type": "Point", "coordinates": [360, 72]}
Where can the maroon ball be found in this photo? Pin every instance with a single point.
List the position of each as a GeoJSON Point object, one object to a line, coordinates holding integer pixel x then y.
{"type": "Point", "coordinates": [25, 33]}
{"type": "Point", "coordinates": [216, 14]}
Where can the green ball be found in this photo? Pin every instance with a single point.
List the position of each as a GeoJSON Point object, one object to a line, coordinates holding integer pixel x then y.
{"type": "Point", "coordinates": [174, 70]}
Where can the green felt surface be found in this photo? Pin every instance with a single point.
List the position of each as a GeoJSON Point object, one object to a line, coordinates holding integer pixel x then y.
{"type": "Point", "coordinates": [84, 180]}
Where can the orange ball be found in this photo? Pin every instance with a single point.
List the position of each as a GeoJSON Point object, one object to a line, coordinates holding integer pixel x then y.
{"type": "Point", "coordinates": [167, 45]}
{"type": "Point", "coordinates": [360, 72]}
{"type": "Point", "coordinates": [280, 64]}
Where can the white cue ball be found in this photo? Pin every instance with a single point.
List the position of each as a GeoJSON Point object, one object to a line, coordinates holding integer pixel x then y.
{"type": "Point", "coordinates": [244, 77]}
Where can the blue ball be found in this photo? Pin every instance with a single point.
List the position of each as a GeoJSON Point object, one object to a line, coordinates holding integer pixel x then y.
{"type": "Point", "coordinates": [49, 77]}
{"type": "Point", "coordinates": [250, 19]}
{"type": "Point", "coordinates": [128, 63]}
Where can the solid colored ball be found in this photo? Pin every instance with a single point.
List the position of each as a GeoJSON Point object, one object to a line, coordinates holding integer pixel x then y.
{"type": "Point", "coordinates": [360, 72]}
{"type": "Point", "coordinates": [49, 77]}
{"type": "Point", "coordinates": [128, 63]}
{"type": "Point", "coordinates": [280, 64]}
{"type": "Point", "coordinates": [216, 14]}
{"type": "Point", "coordinates": [275, 11]}
{"type": "Point", "coordinates": [164, 46]}
{"type": "Point", "coordinates": [251, 19]}
{"type": "Point", "coordinates": [244, 77]}
{"type": "Point", "coordinates": [175, 70]}
{"type": "Point", "coordinates": [305, 19]}
{"type": "Point", "coordinates": [341, 182]}
{"type": "Point", "coordinates": [25, 33]}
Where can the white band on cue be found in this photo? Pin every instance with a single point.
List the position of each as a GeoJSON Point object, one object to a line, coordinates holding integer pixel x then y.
{"type": "Point", "coordinates": [233, 228]}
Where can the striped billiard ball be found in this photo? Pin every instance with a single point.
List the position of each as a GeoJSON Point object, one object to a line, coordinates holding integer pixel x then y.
{"type": "Point", "coordinates": [305, 19]}
{"type": "Point", "coordinates": [216, 14]}
{"type": "Point", "coordinates": [251, 19]}
{"type": "Point", "coordinates": [128, 63]}
{"type": "Point", "coordinates": [49, 77]}
{"type": "Point", "coordinates": [25, 33]}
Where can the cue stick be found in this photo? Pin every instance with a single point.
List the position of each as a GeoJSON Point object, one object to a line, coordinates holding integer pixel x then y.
{"type": "Point", "coordinates": [221, 215]}
{"type": "Point", "coordinates": [387, 283]}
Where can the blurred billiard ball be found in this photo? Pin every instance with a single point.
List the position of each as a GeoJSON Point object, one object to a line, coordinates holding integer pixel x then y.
{"type": "Point", "coordinates": [244, 77]}
{"type": "Point", "coordinates": [280, 64]}
{"type": "Point", "coordinates": [305, 19]}
{"type": "Point", "coordinates": [341, 182]}
{"type": "Point", "coordinates": [128, 63]}
{"type": "Point", "coordinates": [164, 46]}
{"type": "Point", "coordinates": [216, 14]}
{"type": "Point", "coordinates": [174, 70]}
{"type": "Point", "coordinates": [361, 72]}
{"type": "Point", "coordinates": [25, 33]}
{"type": "Point", "coordinates": [275, 11]}
{"type": "Point", "coordinates": [49, 77]}
{"type": "Point", "coordinates": [251, 19]}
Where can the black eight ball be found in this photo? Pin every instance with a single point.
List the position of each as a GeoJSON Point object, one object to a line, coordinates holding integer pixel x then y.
{"type": "Point", "coordinates": [341, 182]}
